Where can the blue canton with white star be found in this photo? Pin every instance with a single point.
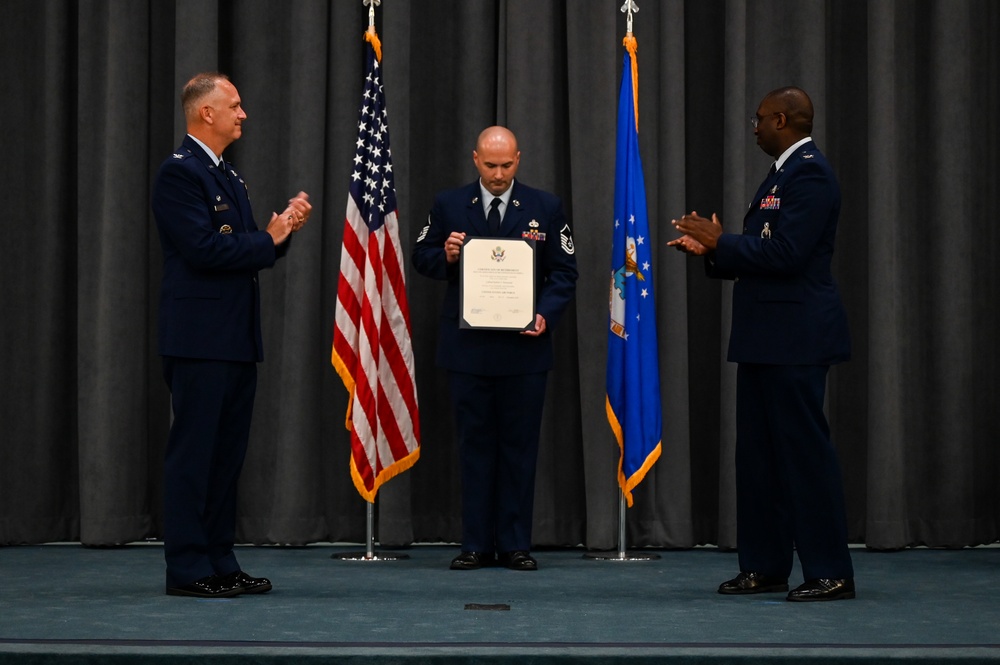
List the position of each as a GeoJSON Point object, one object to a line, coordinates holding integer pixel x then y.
{"type": "Point", "coordinates": [372, 185]}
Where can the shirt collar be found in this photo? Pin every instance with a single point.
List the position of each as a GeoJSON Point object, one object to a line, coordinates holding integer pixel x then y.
{"type": "Point", "coordinates": [488, 196]}
{"type": "Point", "coordinates": [215, 158]}
{"type": "Point", "coordinates": [780, 161]}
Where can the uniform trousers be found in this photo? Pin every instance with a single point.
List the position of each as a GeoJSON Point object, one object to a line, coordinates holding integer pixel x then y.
{"type": "Point", "coordinates": [498, 420]}
{"type": "Point", "coordinates": [212, 409]}
{"type": "Point", "coordinates": [789, 487]}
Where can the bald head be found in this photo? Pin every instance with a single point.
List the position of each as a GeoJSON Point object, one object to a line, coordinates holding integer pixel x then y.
{"type": "Point", "coordinates": [496, 137]}
{"type": "Point", "coordinates": [784, 117]}
{"type": "Point", "coordinates": [496, 157]}
{"type": "Point", "coordinates": [797, 107]}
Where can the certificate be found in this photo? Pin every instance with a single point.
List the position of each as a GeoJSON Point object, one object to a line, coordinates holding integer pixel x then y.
{"type": "Point", "coordinates": [497, 284]}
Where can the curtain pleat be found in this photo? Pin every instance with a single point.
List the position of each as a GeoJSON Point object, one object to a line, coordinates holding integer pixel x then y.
{"type": "Point", "coordinates": [907, 110]}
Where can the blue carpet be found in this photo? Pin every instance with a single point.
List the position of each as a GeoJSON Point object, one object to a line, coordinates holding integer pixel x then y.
{"type": "Point", "coordinates": [65, 603]}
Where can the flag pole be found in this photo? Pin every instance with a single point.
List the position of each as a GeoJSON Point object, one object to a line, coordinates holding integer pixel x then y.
{"type": "Point", "coordinates": [370, 554]}
{"type": "Point", "coordinates": [623, 554]}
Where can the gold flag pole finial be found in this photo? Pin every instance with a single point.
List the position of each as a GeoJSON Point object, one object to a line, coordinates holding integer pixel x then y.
{"type": "Point", "coordinates": [629, 8]}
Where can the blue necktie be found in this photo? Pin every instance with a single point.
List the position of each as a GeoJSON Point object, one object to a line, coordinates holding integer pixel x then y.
{"type": "Point", "coordinates": [493, 219]}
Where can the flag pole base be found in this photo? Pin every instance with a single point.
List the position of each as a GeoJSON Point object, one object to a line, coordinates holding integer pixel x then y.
{"type": "Point", "coordinates": [621, 556]}
{"type": "Point", "coordinates": [368, 556]}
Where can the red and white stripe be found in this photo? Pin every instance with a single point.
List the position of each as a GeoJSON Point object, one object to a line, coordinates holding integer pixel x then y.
{"type": "Point", "coordinates": [373, 354]}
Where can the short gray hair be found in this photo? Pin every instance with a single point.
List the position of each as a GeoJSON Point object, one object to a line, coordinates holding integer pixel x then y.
{"type": "Point", "coordinates": [196, 89]}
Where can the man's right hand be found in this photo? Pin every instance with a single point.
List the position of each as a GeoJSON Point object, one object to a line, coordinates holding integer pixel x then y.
{"type": "Point", "coordinates": [453, 246]}
{"type": "Point", "coordinates": [704, 232]}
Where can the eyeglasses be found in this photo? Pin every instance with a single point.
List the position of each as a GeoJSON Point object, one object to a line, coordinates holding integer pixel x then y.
{"type": "Point", "coordinates": [755, 119]}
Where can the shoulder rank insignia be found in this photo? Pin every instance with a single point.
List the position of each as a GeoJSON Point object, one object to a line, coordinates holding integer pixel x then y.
{"type": "Point", "coordinates": [177, 155]}
{"type": "Point", "coordinates": [225, 229]}
{"type": "Point", "coordinates": [566, 239]}
{"type": "Point", "coordinates": [425, 230]}
{"type": "Point", "coordinates": [809, 156]}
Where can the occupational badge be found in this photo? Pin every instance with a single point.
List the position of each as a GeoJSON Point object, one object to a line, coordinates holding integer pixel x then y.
{"type": "Point", "coordinates": [225, 229]}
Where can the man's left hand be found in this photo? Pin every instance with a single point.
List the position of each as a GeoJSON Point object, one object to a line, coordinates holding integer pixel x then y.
{"type": "Point", "coordinates": [539, 327]}
{"type": "Point", "coordinates": [299, 210]}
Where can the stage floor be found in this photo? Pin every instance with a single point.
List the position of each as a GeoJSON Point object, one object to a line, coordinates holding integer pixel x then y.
{"type": "Point", "coordinates": [66, 603]}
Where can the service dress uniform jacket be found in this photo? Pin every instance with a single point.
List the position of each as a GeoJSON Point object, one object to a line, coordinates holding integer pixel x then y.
{"type": "Point", "coordinates": [786, 306]}
{"type": "Point", "coordinates": [530, 213]}
{"type": "Point", "coordinates": [212, 250]}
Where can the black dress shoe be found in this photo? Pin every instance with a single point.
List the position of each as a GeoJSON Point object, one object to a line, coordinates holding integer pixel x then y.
{"type": "Point", "coordinates": [212, 586]}
{"type": "Point", "coordinates": [753, 583]}
{"type": "Point", "coordinates": [471, 561]}
{"type": "Point", "coordinates": [823, 589]}
{"type": "Point", "coordinates": [246, 583]}
{"type": "Point", "coordinates": [518, 560]}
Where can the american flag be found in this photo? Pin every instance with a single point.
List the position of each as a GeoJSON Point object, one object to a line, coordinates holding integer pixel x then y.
{"type": "Point", "coordinates": [372, 352]}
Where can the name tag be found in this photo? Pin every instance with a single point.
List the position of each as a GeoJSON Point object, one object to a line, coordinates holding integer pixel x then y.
{"type": "Point", "coordinates": [221, 207]}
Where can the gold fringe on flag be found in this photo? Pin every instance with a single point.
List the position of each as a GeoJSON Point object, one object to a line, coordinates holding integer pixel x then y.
{"type": "Point", "coordinates": [631, 45]}
{"type": "Point", "coordinates": [370, 36]}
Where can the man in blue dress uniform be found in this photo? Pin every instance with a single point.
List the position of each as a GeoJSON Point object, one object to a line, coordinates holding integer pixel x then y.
{"type": "Point", "coordinates": [497, 377]}
{"type": "Point", "coordinates": [788, 327]}
{"type": "Point", "coordinates": [209, 336]}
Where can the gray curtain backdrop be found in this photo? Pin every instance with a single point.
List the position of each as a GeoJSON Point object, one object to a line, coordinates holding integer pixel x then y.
{"type": "Point", "coordinates": [907, 106]}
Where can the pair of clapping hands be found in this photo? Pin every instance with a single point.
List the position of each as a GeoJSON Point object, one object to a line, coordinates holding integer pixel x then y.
{"type": "Point", "coordinates": [291, 218]}
{"type": "Point", "coordinates": [700, 233]}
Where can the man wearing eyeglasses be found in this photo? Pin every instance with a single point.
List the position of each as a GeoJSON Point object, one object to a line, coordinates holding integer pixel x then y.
{"type": "Point", "coordinates": [788, 327]}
